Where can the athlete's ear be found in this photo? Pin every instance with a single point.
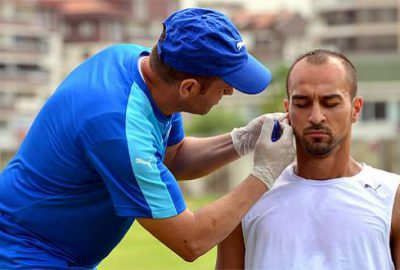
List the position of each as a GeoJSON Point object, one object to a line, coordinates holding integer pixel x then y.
{"type": "Point", "coordinates": [356, 108]}
{"type": "Point", "coordinates": [189, 87]}
{"type": "Point", "coordinates": [286, 106]}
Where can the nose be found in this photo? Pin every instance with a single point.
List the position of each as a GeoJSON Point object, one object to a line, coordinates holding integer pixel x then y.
{"type": "Point", "coordinates": [316, 116]}
{"type": "Point", "coordinates": [228, 91]}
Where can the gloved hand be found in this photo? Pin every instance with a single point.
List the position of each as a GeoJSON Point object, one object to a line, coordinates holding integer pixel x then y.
{"type": "Point", "coordinates": [271, 158]}
{"type": "Point", "coordinates": [244, 139]}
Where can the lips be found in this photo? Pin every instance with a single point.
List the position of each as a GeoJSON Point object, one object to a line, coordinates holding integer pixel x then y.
{"type": "Point", "coordinates": [316, 132]}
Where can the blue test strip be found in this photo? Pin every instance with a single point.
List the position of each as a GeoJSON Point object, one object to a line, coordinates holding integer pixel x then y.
{"type": "Point", "coordinates": [276, 132]}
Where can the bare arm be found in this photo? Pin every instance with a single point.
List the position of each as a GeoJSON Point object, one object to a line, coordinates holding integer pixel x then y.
{"type": "Point", "coordinates": [196, 157]}
{"type": "Point", "coordinates": [231, 251]}
{"type": "Point", "coordinates": [191, 234]}
{"type": "Point", "coordinates": [395, 231]}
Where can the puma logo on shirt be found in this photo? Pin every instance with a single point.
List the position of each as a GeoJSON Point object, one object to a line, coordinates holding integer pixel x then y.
{"type": "Point", "coordinates": [375, 189]}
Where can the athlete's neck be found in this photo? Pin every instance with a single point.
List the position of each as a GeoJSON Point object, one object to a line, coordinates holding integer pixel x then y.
{"type": "Point", "coordinates": [337, 164]}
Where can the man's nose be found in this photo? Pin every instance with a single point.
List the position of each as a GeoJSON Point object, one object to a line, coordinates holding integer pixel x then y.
{"type": "Point", "coordinates": [316, 116]}
{"type": "Point", "coordinates": [228, 91]}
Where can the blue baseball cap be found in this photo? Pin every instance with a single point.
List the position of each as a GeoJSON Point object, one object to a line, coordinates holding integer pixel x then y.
{"type": "Point", "coordinates": [204, 42]}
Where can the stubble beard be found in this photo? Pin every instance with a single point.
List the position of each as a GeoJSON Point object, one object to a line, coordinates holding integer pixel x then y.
{"type": "Point", "coordinates": [317, 147]}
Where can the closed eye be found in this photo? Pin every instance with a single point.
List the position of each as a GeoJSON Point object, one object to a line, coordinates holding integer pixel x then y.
{"type": "Point", "coordinates": [301, 103]}
{"type": "Point", "coordinates": [331, 101]}
{"type": "Point", "coordinates": [330, 104]}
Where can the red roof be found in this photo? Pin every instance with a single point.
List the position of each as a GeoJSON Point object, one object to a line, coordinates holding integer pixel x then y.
{"type": "Point", "coordinates": [87, 7]}
{"type": "Point", "coordinates": [247, 20]}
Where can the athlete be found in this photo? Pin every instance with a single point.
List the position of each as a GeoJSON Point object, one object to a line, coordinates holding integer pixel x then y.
{"type": "Point", "coordinates": [107, 147]}
{"type": "Point", "coordinates": [326, 211]}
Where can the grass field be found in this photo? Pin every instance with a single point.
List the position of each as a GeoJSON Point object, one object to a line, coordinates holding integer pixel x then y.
{"type": "Point", "coordinates": [141, 251]}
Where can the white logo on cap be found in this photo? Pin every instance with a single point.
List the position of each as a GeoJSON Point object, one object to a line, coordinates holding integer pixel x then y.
{"type": "Point", "coordinates": [240, 45]}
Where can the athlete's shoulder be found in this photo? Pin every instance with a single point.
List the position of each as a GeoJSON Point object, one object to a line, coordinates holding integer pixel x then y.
{"type": "Point", "coordinates": [381, 177]}
{"type": "Point", "coordinates": [379, 173]}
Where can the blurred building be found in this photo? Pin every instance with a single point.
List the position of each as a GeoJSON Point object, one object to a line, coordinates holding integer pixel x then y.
{"type": "Point", "coordinates": [29, 69]}
{"type": "Point", "coordinates": [89, 26]}
{"type": "Point", "coordinates": [146, 16]}
{"type": "Point", "coordinates": [359, 26]}
{"type": "Point", "coordinates": [229, 8]}
{"type": "Point", "coordinates": [273, 36]}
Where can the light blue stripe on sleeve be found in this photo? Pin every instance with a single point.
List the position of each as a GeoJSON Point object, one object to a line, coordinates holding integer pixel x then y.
{"type": "Point", "coordinates": [144, 140]}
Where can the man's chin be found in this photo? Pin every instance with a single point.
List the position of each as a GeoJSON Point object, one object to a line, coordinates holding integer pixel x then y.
{"type": "Point", "coordinates": [319, 151]}
{"type": "Point", "coordinates": [198, 112]}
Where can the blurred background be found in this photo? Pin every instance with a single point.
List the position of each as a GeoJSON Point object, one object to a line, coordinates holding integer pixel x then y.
{"type": "Point", "coordinates": [41, 41]}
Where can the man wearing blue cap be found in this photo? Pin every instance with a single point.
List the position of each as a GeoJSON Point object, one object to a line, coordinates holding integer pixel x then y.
{"type": "Point", "coordinates": [108, 146]}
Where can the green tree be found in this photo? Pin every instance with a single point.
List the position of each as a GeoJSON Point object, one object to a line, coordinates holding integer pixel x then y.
{"type": "Point", "coordinates": [276, 92]}
{"type": "Point", "coordinates": [217, 121]}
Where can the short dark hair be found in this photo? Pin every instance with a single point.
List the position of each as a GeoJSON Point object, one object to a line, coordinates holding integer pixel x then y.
{"type": "Point", "coordinates": [321, 56]}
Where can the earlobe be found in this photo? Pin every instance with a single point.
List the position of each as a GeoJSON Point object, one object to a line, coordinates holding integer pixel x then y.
{"type": "Point", "coordinates": [189, 87]}
{"type": "Point", "coordinates": [357, 107]}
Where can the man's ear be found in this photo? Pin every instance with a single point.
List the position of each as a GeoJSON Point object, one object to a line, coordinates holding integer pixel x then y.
{"type": "Point", "coordinates": [189, 88]}
{"type": "Point", "coordinates": [356, 108]}
{"type": "Point", "coordinates": [286, 104]}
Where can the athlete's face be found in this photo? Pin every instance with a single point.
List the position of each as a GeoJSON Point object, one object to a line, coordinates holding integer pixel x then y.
{"type": "Point", "coordinates": [321, 110]}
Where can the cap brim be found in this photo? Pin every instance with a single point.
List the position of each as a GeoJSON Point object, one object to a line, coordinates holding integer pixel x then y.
{"type": "Point", "coordinates": [252, 79]}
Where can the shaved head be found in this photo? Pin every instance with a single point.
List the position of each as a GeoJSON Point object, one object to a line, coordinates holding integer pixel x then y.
{"type": "Point", "coordinates": [322, 56]}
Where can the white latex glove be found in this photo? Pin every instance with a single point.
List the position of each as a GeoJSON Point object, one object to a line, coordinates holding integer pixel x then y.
{"type": "Point", "coordinates": [271, 158]}
{"type": "Point", "coordinates": [244, 139]}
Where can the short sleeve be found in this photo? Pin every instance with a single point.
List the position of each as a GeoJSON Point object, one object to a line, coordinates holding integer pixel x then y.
{"type": "Point", "coordinates": [177, 132]}
{"type": "Point", "coordinates": [138, 182]}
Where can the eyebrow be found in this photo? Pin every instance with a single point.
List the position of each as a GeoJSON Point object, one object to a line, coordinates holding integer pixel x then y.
{"type": "Point", "coordinates": [331, 96]}
{"type": "Point", "coordinates": [299, 97]}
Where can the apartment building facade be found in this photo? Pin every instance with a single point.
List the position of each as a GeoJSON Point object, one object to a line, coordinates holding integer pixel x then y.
{"type": "Point", "coordinates": [29, 69]}
{"type": "Point", "coordinates": [358, 26]}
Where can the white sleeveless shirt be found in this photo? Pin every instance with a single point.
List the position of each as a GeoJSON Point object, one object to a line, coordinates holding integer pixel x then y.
{"type": "Point", "coordinates": [341, 224]}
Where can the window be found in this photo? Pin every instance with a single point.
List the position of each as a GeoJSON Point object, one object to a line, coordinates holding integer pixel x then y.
{"type": "Point", "coordinates": [383, 43]}
{"type": "Point", "coordinates": [67, 29]}
{"type": "Point", "coordinates": [28, 67]}
{"type": "Point", "coordinates": [387, 15]}
{"type": "Point", "coordinates": [140, 10]}
{"type": "Point", "coordinates": [380, 110]}
{"type": "Point", "coordinates": [86, 29]}
{"type": "Point", "coordinates": [374, 111]}
{"type": "Point", "coordinates": [114, 31]}
{"type": "Point", "coordinates": [337, 18]}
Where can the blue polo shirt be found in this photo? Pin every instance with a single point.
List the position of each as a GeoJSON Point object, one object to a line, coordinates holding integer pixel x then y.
{"type": "Point", "coordinates": [91, 163]}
